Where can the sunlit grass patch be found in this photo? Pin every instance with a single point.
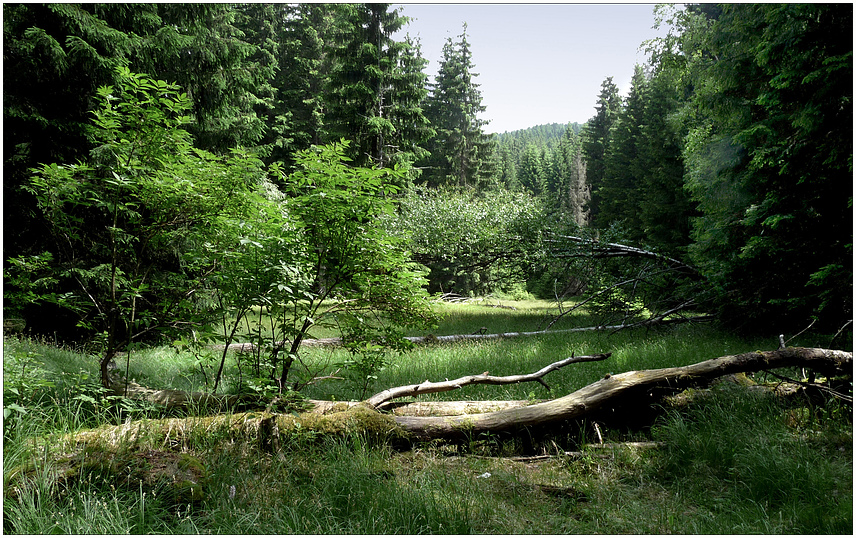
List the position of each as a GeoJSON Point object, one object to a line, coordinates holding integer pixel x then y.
{"type": "Point", "coordinates": [731, 463]}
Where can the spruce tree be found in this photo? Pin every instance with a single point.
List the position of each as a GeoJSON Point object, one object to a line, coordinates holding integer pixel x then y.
{"type": "Point", "coordinates": [769, 161]}
{"type": "Point", "coordinates": [56, 56]}
{"type": "Point", "coordinates": [666, 208]}
{"type": "Point", "coordinates": [296, 119]}
{"type": "Point", "coordinates": [619, 192]}
{"type": "Point", "coordinates": [460, 151]}
{"type": "Point", "coordinates": [596, 141]}
{"type": "Point", "coordinates": [572, 191]}
{"type": "Point", "coordinates": [376, 86]}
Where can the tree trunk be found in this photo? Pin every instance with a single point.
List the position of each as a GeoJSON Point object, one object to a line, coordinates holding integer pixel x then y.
{"type": "Point", "coordinates": [616, 389]}
{"type": "Point", "coordinates": [613, 390]}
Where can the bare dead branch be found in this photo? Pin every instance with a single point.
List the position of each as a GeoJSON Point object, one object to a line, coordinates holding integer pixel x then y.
{"type": "Point", "coordinates": [612, 389]}
{"type": "Point", "coordinates": [427, 387]}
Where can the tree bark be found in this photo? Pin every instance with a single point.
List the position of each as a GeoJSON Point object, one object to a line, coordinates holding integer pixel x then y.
{"type": "Point", "coordinates": [612, 389]}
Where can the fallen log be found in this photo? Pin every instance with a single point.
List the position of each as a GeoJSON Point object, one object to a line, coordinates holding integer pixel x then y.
{"type": "Point", "coordinates": [612, 389]}
{"type": "Point", "coordinates": [449, 338]}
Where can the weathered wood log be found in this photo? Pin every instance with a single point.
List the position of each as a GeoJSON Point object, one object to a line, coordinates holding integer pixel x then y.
{"type": "Point", "coordinates": [427, 387]}
{"type": "Point", "coordinates": [450, 338]}
{"type": "Point", "coordinates": [426, 409]}
{"type": "Point", "coordinates": [612, 389]}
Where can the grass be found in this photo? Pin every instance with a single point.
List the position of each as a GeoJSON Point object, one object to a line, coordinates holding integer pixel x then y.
{"type": "Point", "coordinates": [732, 462]}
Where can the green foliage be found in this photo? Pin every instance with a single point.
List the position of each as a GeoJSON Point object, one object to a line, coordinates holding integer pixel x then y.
{"type": "Point", "coordinates": [23, 379]}
{"type": "Point", "coordinates": [296, 118]}
{"type": "Point", "coordinates": [57, 56]}
{"type": "Point", "coordinates": [317, 257]}
{"type": "Point", "coordinates": [376, 88]}
{"type": "Point", "coordinates": [769, 160]}
{"type": "Point", "coordinates": [597, 135]}
{"type": "Point", "coordinates": [620, 190]}
{"type": "Point", "coordinates": [461, 153]}
{"type": "Point", "coordinates": [472, 244]}
{"type": "Point", "coordinates": [125, 222]}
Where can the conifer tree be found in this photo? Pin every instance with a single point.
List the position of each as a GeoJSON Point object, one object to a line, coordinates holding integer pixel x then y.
{"type": "Point", "coordinates": [376, 86]}
{"type": "Point", "coordinates": [666, 208]}
{"type": "Point", "coordinates": [56, 56]}
{"type": "Point", "coordinates": [296, 119]}
{"type": "Point", "coordinates": [768, 158]}
{"type": "Point", "coordinates": [572, 191]}
{"type": "Point", "coordinates": [460, 151]}
{"type": "Point", "coordinates": [596, 141]}
{"type": "Point", "coordinates": [619, 192]}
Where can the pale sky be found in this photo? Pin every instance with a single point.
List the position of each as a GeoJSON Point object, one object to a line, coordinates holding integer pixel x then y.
{"type": "Point", "coordinates": [538, 63]}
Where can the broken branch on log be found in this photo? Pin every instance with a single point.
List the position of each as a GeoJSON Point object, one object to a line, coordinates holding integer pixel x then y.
{"type": "Point", "coordinates": [428, 387]}
{"type": "Point", "coordinates": [611, 390]}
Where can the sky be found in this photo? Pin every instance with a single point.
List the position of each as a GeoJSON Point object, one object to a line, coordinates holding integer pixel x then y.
{"type": "Point", "coordinates": [537, 63]}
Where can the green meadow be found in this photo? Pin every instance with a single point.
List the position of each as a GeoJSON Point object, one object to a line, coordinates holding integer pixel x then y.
{"type": "Point", "coordinates": [733, 461]}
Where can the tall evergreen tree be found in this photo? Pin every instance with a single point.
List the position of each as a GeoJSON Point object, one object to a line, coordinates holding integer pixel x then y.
{"type": "Point", "coordinates": [769, 160]}
{"type": "Point", "coordinates": [296, 118]}
{"type": "Point", "coordinates": [460, 151]}
{"type": "Point", "coordinates": [666, 208]}
{"type": "Point", "coordinates": [376, 86]}
{"type": "Point", "coordinates": [572, 191]}
{"type": "Point", "coordinates": [596, 140]}
{"type": "Point", "coordinates": [619, 193]}
{"type": "Point", "coordinates": [531, 171]}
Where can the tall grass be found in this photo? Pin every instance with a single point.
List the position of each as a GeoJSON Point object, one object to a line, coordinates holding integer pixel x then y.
{"type": "Point", "coordinates": [733, 462]}
{"type": "Point", "coordinates": [798, 477]}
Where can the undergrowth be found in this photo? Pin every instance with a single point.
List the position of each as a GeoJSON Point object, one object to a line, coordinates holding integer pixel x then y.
{"type": "Point", "coordinates": [732, 462]}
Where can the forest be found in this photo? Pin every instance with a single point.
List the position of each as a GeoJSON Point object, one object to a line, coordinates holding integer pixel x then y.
{"type": "Point", "coordinates": [274, 203]}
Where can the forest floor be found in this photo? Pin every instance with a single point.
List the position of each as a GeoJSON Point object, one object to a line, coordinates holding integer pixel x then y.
{"type": "Point", "coordinates": [732, 462]}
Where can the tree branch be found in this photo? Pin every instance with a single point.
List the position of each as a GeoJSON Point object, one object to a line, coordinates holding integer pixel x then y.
{"type": "Point", "coordinates": [428, 387]}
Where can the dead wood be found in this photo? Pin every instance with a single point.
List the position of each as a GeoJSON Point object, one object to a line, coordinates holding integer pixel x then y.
{"type": "Point", "coordinates": [450, 338]}
{"type": "Point", "coordinates": [615, 389]}
{"type": "Point", "coordinates": [427, 387]}
{"type": "Point", "coordinates": [617, 250]}
{"type": "Point", "coordinates": [182, 399]}
{"type": "Point", "coordinates": [611, 391]}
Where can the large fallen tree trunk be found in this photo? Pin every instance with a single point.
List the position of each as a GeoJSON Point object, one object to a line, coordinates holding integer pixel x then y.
{"type": "Point", "coordinates": [612, 390]}
{"type": "Point", "coordinates": [616, 389]}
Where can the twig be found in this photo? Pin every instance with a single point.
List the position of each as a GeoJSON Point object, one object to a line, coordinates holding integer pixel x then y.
{"type": "Point", "coordinates": [834, 393]}
{"type": "Point", "coordinates": [841, 330]}
{"type": "Point", "coordinates": [799, 333]}
{"type": "Point", "coordinates": [323, 377]}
